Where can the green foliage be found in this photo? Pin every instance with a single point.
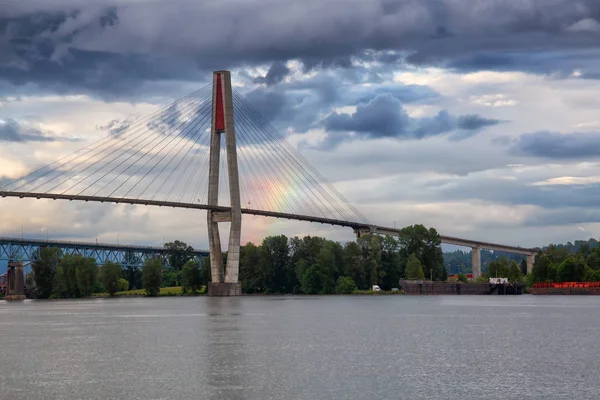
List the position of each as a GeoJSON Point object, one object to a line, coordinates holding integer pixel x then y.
{"type": "Point", "coordinates": [152, 276]}
{"type": "Point", "coordinates": [249, 269]}
{"type": "Point", "coordinates": [414, 270]}
{"type": "Point", "coordinates": [190, 277]}
{"type": "Point", "coordinates": [345, 285]}
{"type": "Point", "coordinates": [133, 275]}
{"type": "Point", "coordinates": [179, 254]}
{"type": "Point", "coordinates": [44, 270]}
{"type": "Point", "coordinates": [110, 274]}
{"type": "Point", "coordinates": [170, 277]}
{"type": "Point", "coordinates": [123, 285]}
{"type": "Point", "coordinates": [205, 272]}
{"type": "Point", "coordinates": [504, 269]}
{"type": "Point", "coordinates": [86, 272]}
{"type": "Point", "coordinates": [463, 278]}
{"type": "Point", "coordinates": [354, 265]}
{"type": "Point", "coordinates": [572, 269]}
{"type": "Point", "coordinates": [425, 244]}
{"type": "Point", "coordinates": [274, 264]}
{"type": "Point", "coordinates": [64, 283]}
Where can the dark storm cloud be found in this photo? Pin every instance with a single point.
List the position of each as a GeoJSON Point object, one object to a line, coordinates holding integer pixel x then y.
{"type": "Point", "coordinates": [13, 131]}
{"type": "Point", "coordinates": [559, 145]}
{"type": "Point", "coordinates": [276, 74]}
{"type": "Point", "coordinates": [384, 116]}
{"type": "Point", "coordinates": [113, 48]}
{"type": "Point", "coordinates": [300, 103]}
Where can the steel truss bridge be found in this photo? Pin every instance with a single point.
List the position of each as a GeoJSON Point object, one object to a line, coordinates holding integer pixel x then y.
{"type": "Point", "coordinates": [18, 249]}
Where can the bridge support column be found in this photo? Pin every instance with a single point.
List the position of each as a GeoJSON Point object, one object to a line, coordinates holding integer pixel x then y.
{"type": "Point", "coordinates": [476, 262]}
{"type": "Point", "coordinates": [224, 280]}
{"type": "Point", "coordinates": [15, 282]}
{"type": "Point", "coordinates": [530, 259]}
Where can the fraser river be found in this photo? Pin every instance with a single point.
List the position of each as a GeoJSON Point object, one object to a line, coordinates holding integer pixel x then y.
{"type": "Point", "coordinates": [333, 347]}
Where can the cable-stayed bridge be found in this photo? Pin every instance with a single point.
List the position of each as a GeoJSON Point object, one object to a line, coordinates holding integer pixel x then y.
{"type": "Point", "coordinates": [210, 150]}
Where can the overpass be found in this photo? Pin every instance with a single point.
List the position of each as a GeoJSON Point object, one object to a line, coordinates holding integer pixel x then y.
{"type": "Point", "coordinates": [475, 246]}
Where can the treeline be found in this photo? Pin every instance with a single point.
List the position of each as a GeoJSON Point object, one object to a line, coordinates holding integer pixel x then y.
{"type": "Point", "coordinates": [314, 265]}
{"type": "Point", "coordinates": [561, 264]}
{"type": "Point", "coordinates": [311, 265]}
{"type": "Point", "coordinates": [73, 276]}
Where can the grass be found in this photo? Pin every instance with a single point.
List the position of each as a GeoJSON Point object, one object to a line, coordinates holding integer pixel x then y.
{"type": "Point", "coordinates": [374, 292]}
{"type": "Point", "coordinates": [166, 291]}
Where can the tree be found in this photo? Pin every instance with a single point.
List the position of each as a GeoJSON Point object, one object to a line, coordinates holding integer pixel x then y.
{"type": "Point", "coordinates": [370, 246]}
{"type": "Point", "coordinates": [249, 268]}
{"type": "Point", "coordinates": [345, 285]}
{"type": "Point", "coordinates": [171, 277]}
{"type": "Point", "coordinates": [65, 278]}
{"type": "Point", "coordinates": [44, 269]}
{"type": "Point", "coordinates": [190, 277]}
{"type": "Point", "coordinates": [274, 264]}
{"type": "Point", "coordinates": [205, 271]}
{"type": "Point", "coordinates": [123, 285]}
{"type": "Point", "coordinates": [425, 244]}
{"type": "Point", "coordinates": [110, 273]}
{"type": "Point", "coordinates": [572, 269]}
{"type": "Point", "coordinates": [391, 265]}
{"type": "Point", "coordinates": [152, 276]}
{"type": "Point", "coordinates": [542, 268]}
{"type": "Point", "coordinates": [86, 272]}
{"type": "Point", "coordinates": [355, 266]}
{"type": "Point", "coordinates": [179, 253]}
{"type": "Point", "coordinates": [414, 270]}
{"type": "Point", "coordinates": [133, 275]}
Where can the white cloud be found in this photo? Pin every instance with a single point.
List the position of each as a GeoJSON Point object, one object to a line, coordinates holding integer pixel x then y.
{"type": "Point", "coordinates": [569, 180]}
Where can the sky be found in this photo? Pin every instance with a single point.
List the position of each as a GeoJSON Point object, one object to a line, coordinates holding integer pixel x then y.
{"type": "Point", "coordinates": [476, 117]}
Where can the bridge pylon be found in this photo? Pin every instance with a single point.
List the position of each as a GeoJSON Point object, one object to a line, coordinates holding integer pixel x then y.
{"type": "Point", "coordinates": [224, 280]}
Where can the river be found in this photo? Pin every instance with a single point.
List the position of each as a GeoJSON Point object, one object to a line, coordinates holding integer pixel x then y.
{"type": "Point", "coordinates": [334, 347]}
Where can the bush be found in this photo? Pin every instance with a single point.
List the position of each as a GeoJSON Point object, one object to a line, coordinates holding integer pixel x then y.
{"type": "Point", "coordinates": [345, 285]}
{"type": "Point", "coordinates": [123, 285]}
{"type": "Point", "coordinates": [463, 278]}
{"type": "Point", "coordinates": [152, 277]}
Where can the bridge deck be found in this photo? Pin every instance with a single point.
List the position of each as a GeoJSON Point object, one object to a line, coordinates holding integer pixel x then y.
{"type": "Point", "coordinates": [349, 224]}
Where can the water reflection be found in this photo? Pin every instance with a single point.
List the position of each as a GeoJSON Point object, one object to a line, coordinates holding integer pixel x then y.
{"type": "Point", "coordinates": [225, 349]}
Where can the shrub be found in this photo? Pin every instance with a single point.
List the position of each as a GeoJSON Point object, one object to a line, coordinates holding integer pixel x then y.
{"type": "Point", "coordinates": [345, 285]}
{"type": "Point", "coordinates": [123, 285]}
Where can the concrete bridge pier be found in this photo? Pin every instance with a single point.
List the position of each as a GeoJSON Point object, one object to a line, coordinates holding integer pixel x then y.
{"type": "Point", "coordinates": [15, 282]}
{"type": "Point", "coordinates": [530, 260]}
{"type": "Point", "coordinates": [476, 262]}
{"type": "Point", "coordinates": [224, 280]}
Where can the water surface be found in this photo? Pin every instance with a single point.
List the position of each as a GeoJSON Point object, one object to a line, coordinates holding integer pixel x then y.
{"type": "Point", "coordinates": [334, 347]}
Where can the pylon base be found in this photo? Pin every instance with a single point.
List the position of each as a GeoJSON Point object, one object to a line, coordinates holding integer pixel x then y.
{"type": "Point", "coordinates": [12, 297]}
{"type": "Point", "coordinates": [224, 289]}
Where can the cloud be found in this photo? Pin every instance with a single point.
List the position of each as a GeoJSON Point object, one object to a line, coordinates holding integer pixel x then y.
{"type": "Point", "coordinates": [384, 116]}
{"type": "Point", "coordinates": [101, 47]}
{"type": "Point", "coordinates": [115, 126]}
{"type": "Point", "coordinates": [559, 145]}
{"type": "Point", "coordinates": [13, 131]}
{"type": "Point", "coordinates": [276, 74]}
{"type": "Point", "coordinates": [301, 101]}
